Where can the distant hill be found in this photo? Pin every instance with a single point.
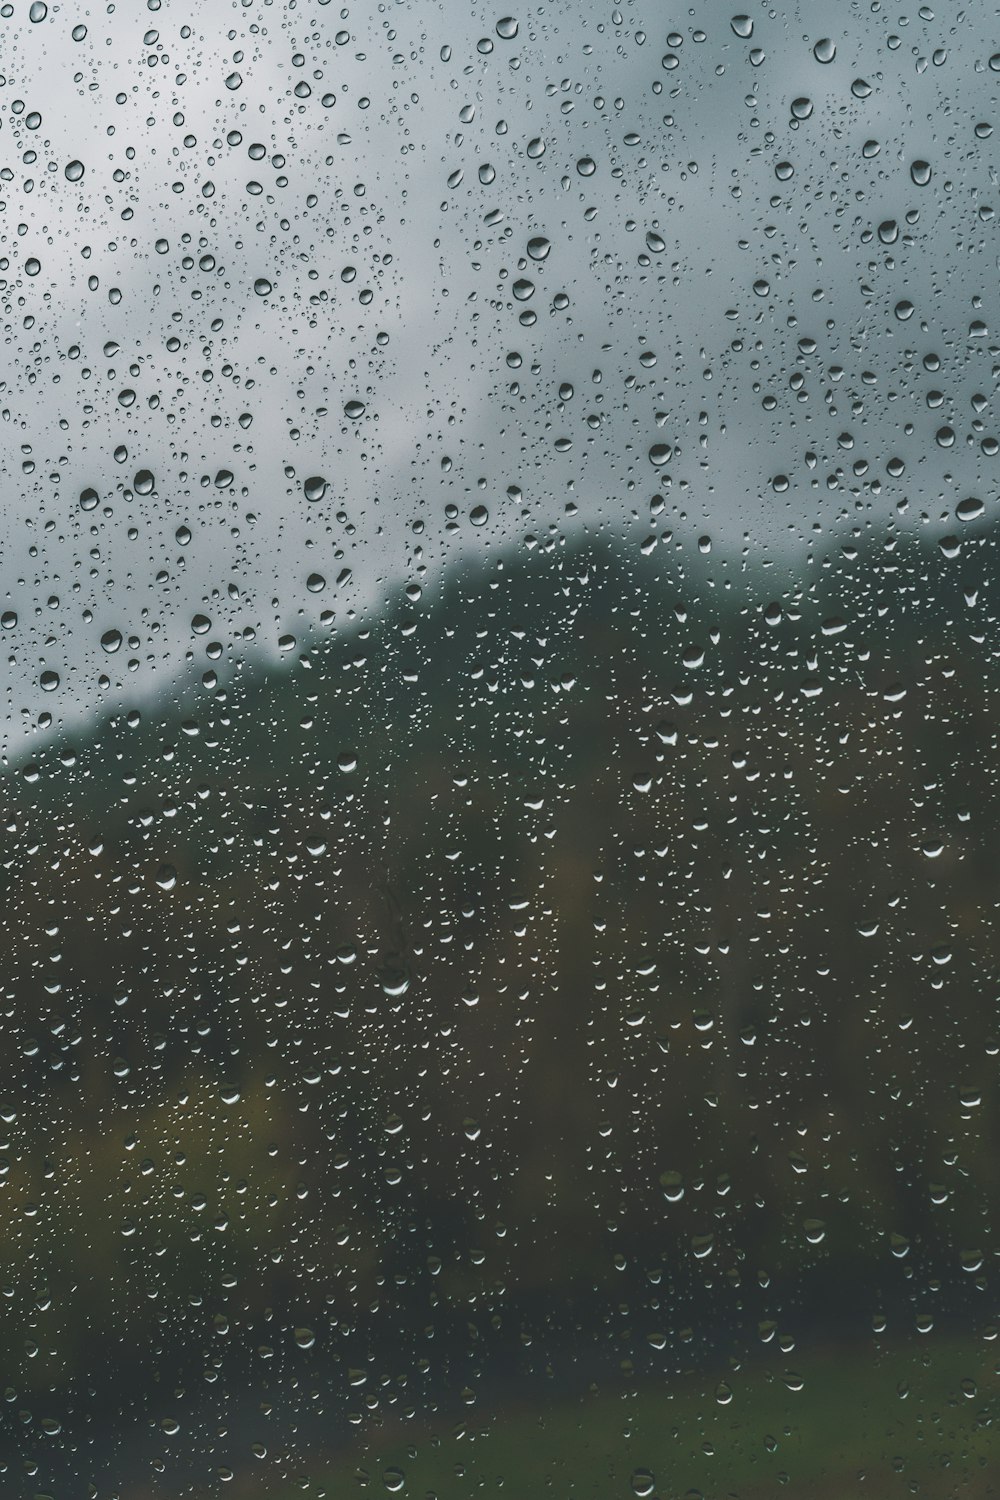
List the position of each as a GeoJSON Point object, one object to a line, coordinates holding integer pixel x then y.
{"type": "Point", "coordinates": [596, 917]}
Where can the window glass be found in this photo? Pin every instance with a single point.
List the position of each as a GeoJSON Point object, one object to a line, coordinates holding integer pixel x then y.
{"type": "Point", "coordinates": [498, 946]}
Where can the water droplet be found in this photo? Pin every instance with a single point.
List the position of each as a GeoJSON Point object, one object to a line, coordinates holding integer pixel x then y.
{"type": "Point", "coordinates": [507, 28]}
{"type": "Point", "coordinates": [395, 981]}
{"type": "Point", "coordinates": [920, 172]}
{"type": "Point", "coordinates": [142, 483]}
{"type": "Point", "coordinates": [643, 1482]}
{"type": "Point", "coordinates": [586, 166]}
{"type": "Point", "coordinates": [111, 641]}
{"type": "Point", "coordinates": [234, 81]}
{"type": "Point", "coordinates": [262, 286]}
{"type": "Point", "coordinates": [539, 247]}
{"type": "Point", "coordinates": [74, 170]}
{"type": "Point", "coordinates": [38, 10]}
{"type": "Point", "coordinates": [660, 454]}
{"type": "Point", "coordinates": [166, 877]}
{"type": "Point", "coordinates": [672, 1185]}
{"type": "Point", "coordinates": [825, 50]}
{"type": "Point", "coordinates": [315, 488]}
{"type": "Point", "coordinates": [742, 26]}
{"type": "Point", "coordinates": [479, 515]}
{"type": "Point", "coordinates": [49, 681]}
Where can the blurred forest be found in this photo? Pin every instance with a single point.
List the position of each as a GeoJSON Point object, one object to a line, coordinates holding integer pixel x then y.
{"type": "Point", "coordinates": [586, 973]}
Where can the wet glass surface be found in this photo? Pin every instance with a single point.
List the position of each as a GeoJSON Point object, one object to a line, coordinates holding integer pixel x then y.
{"type": "Point", "coordinates": [500, 604]}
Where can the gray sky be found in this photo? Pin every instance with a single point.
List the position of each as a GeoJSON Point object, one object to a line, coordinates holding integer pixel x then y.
{"type": "Point", "coordinates": [287, 208]}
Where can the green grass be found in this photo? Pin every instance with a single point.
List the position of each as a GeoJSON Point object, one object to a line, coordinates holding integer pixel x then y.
{"type": "Point", "coordinates": [865, 1423]}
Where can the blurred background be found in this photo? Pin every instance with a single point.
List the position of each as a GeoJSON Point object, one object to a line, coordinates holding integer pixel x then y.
{"type": "Point", "coordinates": [498, 962]}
